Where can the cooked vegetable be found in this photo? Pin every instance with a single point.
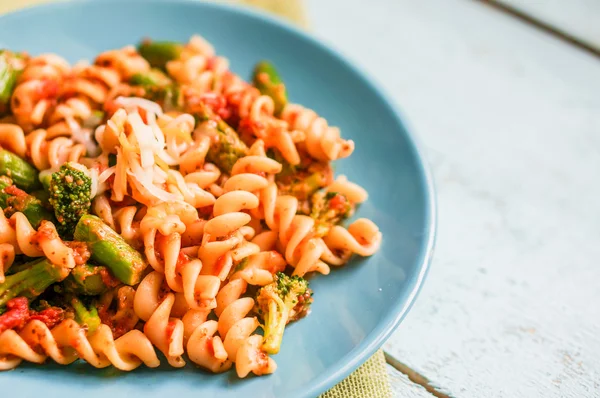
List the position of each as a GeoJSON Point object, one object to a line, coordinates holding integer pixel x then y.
{"type": "Point", "coordinates": [9, 74]}
{"type": "Point", "coordinates": [32, 280]}
{"type": "Point", "coordinates": [329, 209]}
{"type": "Point", "coordinates": [110, 249]}
{"type": "Point", "coordinates": [23, 175]}
{"type": "Point", "coordinates": [152, 78]}
{"type": "Point", "coordinates": [87, 280]}
{"type": "Point", "coordinates": [226, 146]}
{"type": "Point", "coordinates": [13, 199]}
{"type": "Point", "coordinates": [267, 80]}
{"type": "Point", "coordinates": [70, 195]}
{"type": "Point", "coordinates": [158, 53]}
{"type": "Point", "coordinates": [303, 180]}
{"type": "Point", "coordinates": [86, 317]}
{"type": "Point", "coordinates": [160, 88]}
{"type": "Point", "coordinates": [286, 299]}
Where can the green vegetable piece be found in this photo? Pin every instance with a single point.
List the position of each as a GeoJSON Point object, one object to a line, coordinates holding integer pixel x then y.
{"type": "Point", "coordinates": [70, 196]}
{"type": "Point", "coordinates": [158, 53]}
{"type": "Point", "coordinates": [267, 80]}
{"type": "Point", "coordinates": [110, 249]}
{"type": "Point", "coordinates": [301, 181]}
{"type": "Point", "coordinates": [226, 147]}
{"type": "Point", "coordinates": [32, 281]}
{"type": "Point", "coordinates": [13, 199]}
{"type": "Point", "coordinates": [86, 317]}
{"type": "Point", "coordinates": [86, 280]}
{"type": "Point", "coordinates": [286, 299]}
{"type": "Point", "coordinates": [23, 175]}
{"type": "Point", "coordinates": [152, 78]}
{"type": "Point", "coordinates": [158, 87]}
{"type": "Point", "coordinates": [9, 75]}
{"type": "Point", "coordinates": [329, 209]}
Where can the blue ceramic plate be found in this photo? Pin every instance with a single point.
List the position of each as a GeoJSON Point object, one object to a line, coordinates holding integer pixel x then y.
{"type": "Point", "coordinates": [357, 306]}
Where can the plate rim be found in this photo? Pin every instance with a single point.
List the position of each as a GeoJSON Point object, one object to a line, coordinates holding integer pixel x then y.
{"type": "Point", "coordinates": [383, 330]}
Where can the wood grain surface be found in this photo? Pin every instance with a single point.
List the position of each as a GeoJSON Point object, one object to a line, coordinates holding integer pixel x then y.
{"type": "Point", "coordinates": [511, 121]}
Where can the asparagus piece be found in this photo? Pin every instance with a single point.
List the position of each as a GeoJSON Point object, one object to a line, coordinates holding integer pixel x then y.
{"type": "Point", "coordinates": [158, 87]}
{"type": "Point", "coordinates": [8, 79]}
{"type": "Point", "coordinates": [158, 53]}
{"type": "Point", "coordinates": [152, 78]}
{"type": "Point", "coordinates": [86, 317]}
{"type": "Point", "coordinates": [24, 175]}
{"type": "Point", "coordinates": [13, 200]}
{"type": "Point", "coordinates": [226, 147]}
{"type": "Point", "coordinates": [110, 249]}
{"type": "Point", "coordinates": [267, 80]}
{"type": "Point", "coordinates": [32, 281]}
{"type": "Point", "coordinates": [87, 280]}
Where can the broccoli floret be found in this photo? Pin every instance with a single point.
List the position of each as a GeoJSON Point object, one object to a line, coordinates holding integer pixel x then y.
{"type": "Point", "coordinates": [329, 209]}
{"type": "Point", "coordinates": [301, 180]}
{"type": "Point", "coordinates": [70, 196]}
{"type": "Point", "coordinates": [286, 299]}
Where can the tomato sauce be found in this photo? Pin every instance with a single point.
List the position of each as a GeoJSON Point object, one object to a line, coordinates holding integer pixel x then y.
{"type": "Point", "coordinates": [19, 314]}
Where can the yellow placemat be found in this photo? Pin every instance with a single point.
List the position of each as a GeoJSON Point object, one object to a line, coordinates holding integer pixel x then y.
{"type": "Point", "coordinates": [370, 380]}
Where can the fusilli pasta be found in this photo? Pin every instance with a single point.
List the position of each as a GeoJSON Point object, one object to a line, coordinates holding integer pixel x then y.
{"type": "Point", "coordinates": [154, 200]}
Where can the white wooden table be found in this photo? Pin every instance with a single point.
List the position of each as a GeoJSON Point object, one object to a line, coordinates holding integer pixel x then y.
{"type": "Point", "coordinates": [510, 118]}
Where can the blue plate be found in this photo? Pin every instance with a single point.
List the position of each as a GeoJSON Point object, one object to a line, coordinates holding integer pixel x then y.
{"type": "Point", "coordinates": [357, 306]}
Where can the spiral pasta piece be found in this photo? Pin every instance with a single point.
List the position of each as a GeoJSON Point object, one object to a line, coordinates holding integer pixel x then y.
{"type": "Point", "coordinates": [7, 257]}
{"type": "Point", "coordinates": [12, 137]}
{"type": "Point", "coordinates": [323, 142]}
{"type": "Point", "coordinates": [163, 331]}
{"type": "Point", "coordinates": [86, 89]}
{"type": "Point", "coordinates": [68, 341]}
{"type": "Point", "coordinates": [235, 341]}
{"type": "Point", "coordinates": [35, 243]}
{"type": "Point", "coordinates": [50, 153]}
{"type": "Point", "coordinates": [37, 89]}
{"type": "Point", "coordinates": [126, 61]}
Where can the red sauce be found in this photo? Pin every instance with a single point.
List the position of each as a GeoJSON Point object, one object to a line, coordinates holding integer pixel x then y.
{"type": "Point", "coordinates": [210, 346]}
{"type": "Point", "coordinates": [252, 127]}
{"type": "Point", "coordinates": [219, 264]}
{"type": "Point", "coordinates": [81, 253]}
{"type": "Point", "coordinates": [170, 329]}
{"type": "Point", "coordinates": [182, 260]}
{"type": "Point", "coordinates": [338, 202]}
{"type": "Point", "coordinates": [218, 104]}
{"type": "Point", "coordinates": [14, 191]}
{"type": "Point", "coordinates": [50, 316]}
{"type": "Point", "coordinates": [19, 314]}
{"type": "Point", "coordinates": [48, 89]}
{"type": "Point", "coordinates": [45, 231]}
{"type": "Point", "coordinates": [118, 328]}
{"type": "Point", "coordinates": [16, 316]}
{"type": "Point", "coordinates": [210, 63]}
{"type": "Point", "coordinates": [108, 279]}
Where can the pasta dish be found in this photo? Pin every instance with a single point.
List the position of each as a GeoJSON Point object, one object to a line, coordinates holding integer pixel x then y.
{"type": "Point", "coordinates": [155, 202]}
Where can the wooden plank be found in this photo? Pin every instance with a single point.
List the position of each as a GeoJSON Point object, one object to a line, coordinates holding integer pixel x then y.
{"type": "Point", "coordinates": [579, 18]}
{"type": "Point", "coordinates": [403, 387]}
{"type": "Point", "coordinates": [511, 121]}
